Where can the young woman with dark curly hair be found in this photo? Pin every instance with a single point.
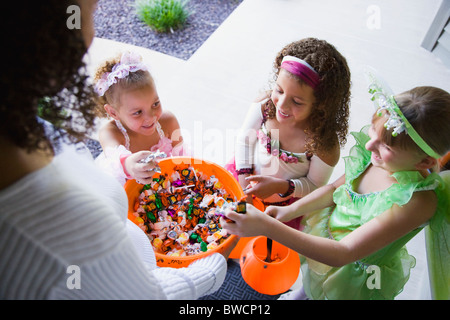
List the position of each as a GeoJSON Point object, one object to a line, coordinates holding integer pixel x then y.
{"type": "Point", "coordinates": [290, 141]}
{"type": "Point", "coordinates": [63, 227]}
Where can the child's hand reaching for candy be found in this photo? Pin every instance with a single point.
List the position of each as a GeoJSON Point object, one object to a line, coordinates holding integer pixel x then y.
{"type": "Point", "coordinates": [142, 165]}
{"type": "Point", "coordinates": [250, 224]}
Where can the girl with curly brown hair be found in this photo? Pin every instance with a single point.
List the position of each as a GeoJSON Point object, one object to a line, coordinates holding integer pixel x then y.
{"type": "Point", "coordinates": [290, 140]}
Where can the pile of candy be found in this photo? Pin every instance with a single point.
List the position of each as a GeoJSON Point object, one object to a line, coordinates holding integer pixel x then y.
{"type": "Point", "coordinates": [180, 214]}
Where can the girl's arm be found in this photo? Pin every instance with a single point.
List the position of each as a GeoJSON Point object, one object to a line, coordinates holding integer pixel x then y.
{"type": "Point", "coordinates": [318, 199]}
{"type": "Point", "coordinates": [120, 162]}
{"type": "Point", "coordinates": [320, 170]}
{"type": "Point", "coordinates": [365, 240]}
{"type": "Point", "coordinates": [246, 139]}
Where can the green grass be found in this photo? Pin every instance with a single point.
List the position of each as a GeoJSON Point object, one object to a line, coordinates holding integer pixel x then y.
{"type": "Point", "coordinates": [163, 15]}
{"type": "Point", "coordinates": [44, 104]}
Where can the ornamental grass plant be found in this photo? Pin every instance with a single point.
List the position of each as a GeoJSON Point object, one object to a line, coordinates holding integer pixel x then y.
{"type": "Point", "coordinates": [163, 15]}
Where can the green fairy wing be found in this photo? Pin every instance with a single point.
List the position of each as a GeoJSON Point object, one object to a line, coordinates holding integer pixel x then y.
{"type": "Point", "coordinates": [438, 250]}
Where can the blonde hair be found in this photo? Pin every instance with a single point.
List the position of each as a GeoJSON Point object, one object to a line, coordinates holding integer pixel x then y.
{"type": "Point", "coordinates": [135, 80]}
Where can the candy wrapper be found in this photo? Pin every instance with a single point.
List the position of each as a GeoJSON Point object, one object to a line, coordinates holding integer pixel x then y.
{"type": "Point", "coordinates": [152, 157]}
{"type": "Point", "coordinates": [181, 213]}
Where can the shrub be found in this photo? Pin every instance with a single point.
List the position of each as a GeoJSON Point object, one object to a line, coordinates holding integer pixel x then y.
{"type": "Point", "coordinates": [163, 15]}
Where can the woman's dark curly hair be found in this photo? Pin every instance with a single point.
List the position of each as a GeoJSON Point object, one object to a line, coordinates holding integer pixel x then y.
{"type": "Point", "coordinates": [328, 122]}
{"type": "Point", "coordinates": [42, 61]}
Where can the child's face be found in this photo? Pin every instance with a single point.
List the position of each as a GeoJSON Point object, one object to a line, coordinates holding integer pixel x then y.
{"type": "Point", "coordinates": [140, 109]}
{"type": "Point", "coordinates": [292, 100]}
{"type": "Point", "coordinates": [392, 159]}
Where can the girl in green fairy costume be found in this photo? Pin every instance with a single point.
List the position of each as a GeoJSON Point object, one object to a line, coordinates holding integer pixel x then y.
{"type": "Point", "coordinates": [353, 244]}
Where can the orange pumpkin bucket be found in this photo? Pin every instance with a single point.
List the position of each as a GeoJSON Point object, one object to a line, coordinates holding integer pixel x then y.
{"type": "Point", "coordinates": [168, 165]}
{"type": "Point", "coordinates": [269, 274]}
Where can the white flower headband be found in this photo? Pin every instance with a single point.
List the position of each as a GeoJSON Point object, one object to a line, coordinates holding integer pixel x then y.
{"type": "Point", "coordinates": [129, 62]}
{"type": "Point", "coordinates": [384, 100]}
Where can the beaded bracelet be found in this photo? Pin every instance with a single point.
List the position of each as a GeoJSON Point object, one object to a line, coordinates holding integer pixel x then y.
{"type": "Point", "coordinates": [244, 171]}
{"type": "Point", "coordinates": [289, 191]}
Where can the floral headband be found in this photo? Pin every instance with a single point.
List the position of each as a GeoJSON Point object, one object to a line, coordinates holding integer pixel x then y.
{"type": "Point", "coordinates": [129, 62]}
{"type": "Point", "coordinates": [384, 100]}
{"type": "Point", "coordinates": [301, 69]}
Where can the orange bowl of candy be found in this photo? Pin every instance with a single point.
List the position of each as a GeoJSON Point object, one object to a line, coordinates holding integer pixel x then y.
{"type": "Point", "coordinates": [180, 210]}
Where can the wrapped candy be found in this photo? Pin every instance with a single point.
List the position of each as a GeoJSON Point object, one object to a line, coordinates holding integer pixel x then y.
{"type": "Point", "coordinates": [181, 212]}
{"type": "Point", "coordinates": [152, 157]}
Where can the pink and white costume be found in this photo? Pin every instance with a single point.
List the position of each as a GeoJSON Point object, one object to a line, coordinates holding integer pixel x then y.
{"type": "Point", "coordinates": [109, 159]}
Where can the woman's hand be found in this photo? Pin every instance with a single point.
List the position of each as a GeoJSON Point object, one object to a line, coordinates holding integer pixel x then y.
{"type": "Point", "coordinates": [265, 186]}
{"type": "Point", "coordinates": [142, 172]}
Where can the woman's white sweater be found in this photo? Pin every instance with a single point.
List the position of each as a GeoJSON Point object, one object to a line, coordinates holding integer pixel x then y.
{"type": "Point", "coordinates": [64, 235]}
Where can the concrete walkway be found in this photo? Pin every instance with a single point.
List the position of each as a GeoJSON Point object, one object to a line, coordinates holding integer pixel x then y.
{"type": "Point", "coordinates": [210, 93]}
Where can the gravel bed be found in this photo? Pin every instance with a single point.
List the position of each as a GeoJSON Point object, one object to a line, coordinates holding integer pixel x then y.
{"type": "Point", "coordinates": [117, 20]}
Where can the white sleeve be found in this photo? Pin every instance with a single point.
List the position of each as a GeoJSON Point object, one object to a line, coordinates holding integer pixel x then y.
{"type": "Point", "coordinates": [200, 278]}
{"type": "Point", "coordinates": [111, 268]}
{"type": "Point", "coordinates": [318, 175]}
{"type": "Point", "coordinates": [69, 242]}
{"type": "Point", "coordinates": [120, 274]}
{"type": "Point", "coordinates": [142, 244]}
{"type": "Point", "coordinates": [246, 139]}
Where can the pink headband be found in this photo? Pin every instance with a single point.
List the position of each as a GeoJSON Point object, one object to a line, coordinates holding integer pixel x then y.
{"type": "Point", "coordinates": [301, 69]}
{"type": "Point", "coordinates": [129, 62]}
